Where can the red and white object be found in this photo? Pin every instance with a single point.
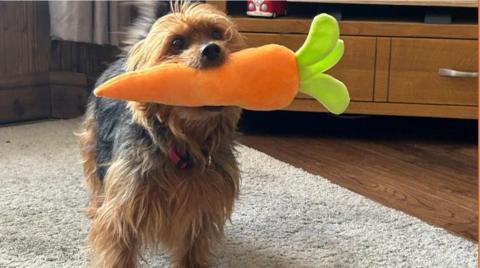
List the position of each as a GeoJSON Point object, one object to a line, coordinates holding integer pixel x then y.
{"type": "Point", "coordinates": [266, 8]}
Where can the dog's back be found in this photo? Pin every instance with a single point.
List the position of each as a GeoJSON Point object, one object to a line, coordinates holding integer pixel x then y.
{"type": "Point", "coordinates": [104, 116]}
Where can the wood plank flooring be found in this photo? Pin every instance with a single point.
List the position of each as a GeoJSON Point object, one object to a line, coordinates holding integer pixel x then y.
{"type": "Point", "coordinates": [424, 167]}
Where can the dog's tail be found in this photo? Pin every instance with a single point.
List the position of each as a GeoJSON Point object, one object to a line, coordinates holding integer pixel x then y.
{"type": "Point", "coordinates": [146, 13]}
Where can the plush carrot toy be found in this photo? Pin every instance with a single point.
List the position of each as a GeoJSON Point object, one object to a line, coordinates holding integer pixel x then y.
{"type": "Point", "coordinates": [264, 78]}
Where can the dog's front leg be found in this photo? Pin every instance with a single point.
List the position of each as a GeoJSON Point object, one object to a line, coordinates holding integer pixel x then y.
{"type": "Point", "coordinates": [111, 241]}
{"type": "Point", "coordinates": [107, 248]}
{"type": "Point", "coordinates": [193, 254]}
{"type": "Point", "coordinates": [116, 230]}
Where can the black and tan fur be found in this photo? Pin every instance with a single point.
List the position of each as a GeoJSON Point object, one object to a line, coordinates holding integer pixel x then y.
{"type": "Point", "coordinates": [139, 198]}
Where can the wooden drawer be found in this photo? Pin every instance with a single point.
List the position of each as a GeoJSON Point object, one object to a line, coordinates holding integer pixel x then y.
{"type": "Point", "coordinates": [414, 71]}
{"type": "Point", "coordinates": [356, 69]}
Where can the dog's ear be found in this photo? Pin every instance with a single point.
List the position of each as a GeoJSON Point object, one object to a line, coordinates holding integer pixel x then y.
{"type": "Point", "coordinates": [145, 14]}
{"type": "Point", "coordinates": [151, 9]}
{"type": "Point", "coordinates": [136, 56]}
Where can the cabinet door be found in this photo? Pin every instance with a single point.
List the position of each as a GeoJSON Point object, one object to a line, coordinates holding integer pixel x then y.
{"type": "Point", "coordinates": [414, 71]}
{"type": "Point", "coordinates": [355, 69]}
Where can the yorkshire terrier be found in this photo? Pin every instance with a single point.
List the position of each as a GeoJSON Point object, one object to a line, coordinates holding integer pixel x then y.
{"type": "Point", "coordinates": [162, 176]}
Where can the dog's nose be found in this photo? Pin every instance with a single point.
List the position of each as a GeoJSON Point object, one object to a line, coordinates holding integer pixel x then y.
{"type": "Point", "coordinates": [211, 52]}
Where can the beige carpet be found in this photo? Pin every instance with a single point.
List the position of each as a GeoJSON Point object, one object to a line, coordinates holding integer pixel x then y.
{"type": "Point", "coordinates": [285, 216]}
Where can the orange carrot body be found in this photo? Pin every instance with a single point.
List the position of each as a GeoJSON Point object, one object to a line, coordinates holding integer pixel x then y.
{"type": "Point", "coordinates": [264, 78]}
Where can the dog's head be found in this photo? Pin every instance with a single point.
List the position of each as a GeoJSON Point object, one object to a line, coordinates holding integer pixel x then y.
{"type": "Point", "coordinates": [196, 35]}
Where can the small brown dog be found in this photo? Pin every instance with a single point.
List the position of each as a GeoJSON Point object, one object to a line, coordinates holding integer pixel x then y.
{"type": "Point", "coordinates": [161, 175]}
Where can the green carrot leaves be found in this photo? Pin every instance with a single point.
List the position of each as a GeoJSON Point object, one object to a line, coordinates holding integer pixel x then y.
{"type": "Point", "coordinates": [320, 52]}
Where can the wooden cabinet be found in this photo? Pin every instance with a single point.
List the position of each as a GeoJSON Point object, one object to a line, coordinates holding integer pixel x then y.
{"type": "Point", "coordinates": [414, 71]}
{"type": "Point", "coordinates": [391, 65]}
{"type": "Point", "coordinates": [357, 67]}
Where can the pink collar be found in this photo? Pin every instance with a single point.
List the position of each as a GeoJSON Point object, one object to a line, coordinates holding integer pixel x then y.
{"type": "Point", "coordinates": [177, 160]}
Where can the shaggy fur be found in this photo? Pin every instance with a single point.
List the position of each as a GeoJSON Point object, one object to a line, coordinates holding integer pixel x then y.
{"type": "Point", "coordinates": [139, 198]}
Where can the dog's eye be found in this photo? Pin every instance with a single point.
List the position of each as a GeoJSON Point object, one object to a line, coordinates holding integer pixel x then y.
{"type": "Point", "coordinates": [178, 43]}
{"type": "Point", "coordinates": [217, 35]}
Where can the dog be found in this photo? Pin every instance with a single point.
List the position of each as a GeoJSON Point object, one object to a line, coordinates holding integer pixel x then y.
{"type": "Point", "coordinates": [162, 176]}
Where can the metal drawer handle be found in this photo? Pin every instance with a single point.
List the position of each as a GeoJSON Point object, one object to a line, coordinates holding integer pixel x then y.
{"type": "Point", "coordinates": [455, 73]}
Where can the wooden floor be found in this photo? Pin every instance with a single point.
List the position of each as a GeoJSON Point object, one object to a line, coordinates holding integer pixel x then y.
{"type": "Point", "coordinates": [424, 167]}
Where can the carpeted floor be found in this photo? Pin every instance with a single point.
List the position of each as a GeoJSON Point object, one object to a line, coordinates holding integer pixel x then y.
{"type": "Point", "coordinates": [284, 218]}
